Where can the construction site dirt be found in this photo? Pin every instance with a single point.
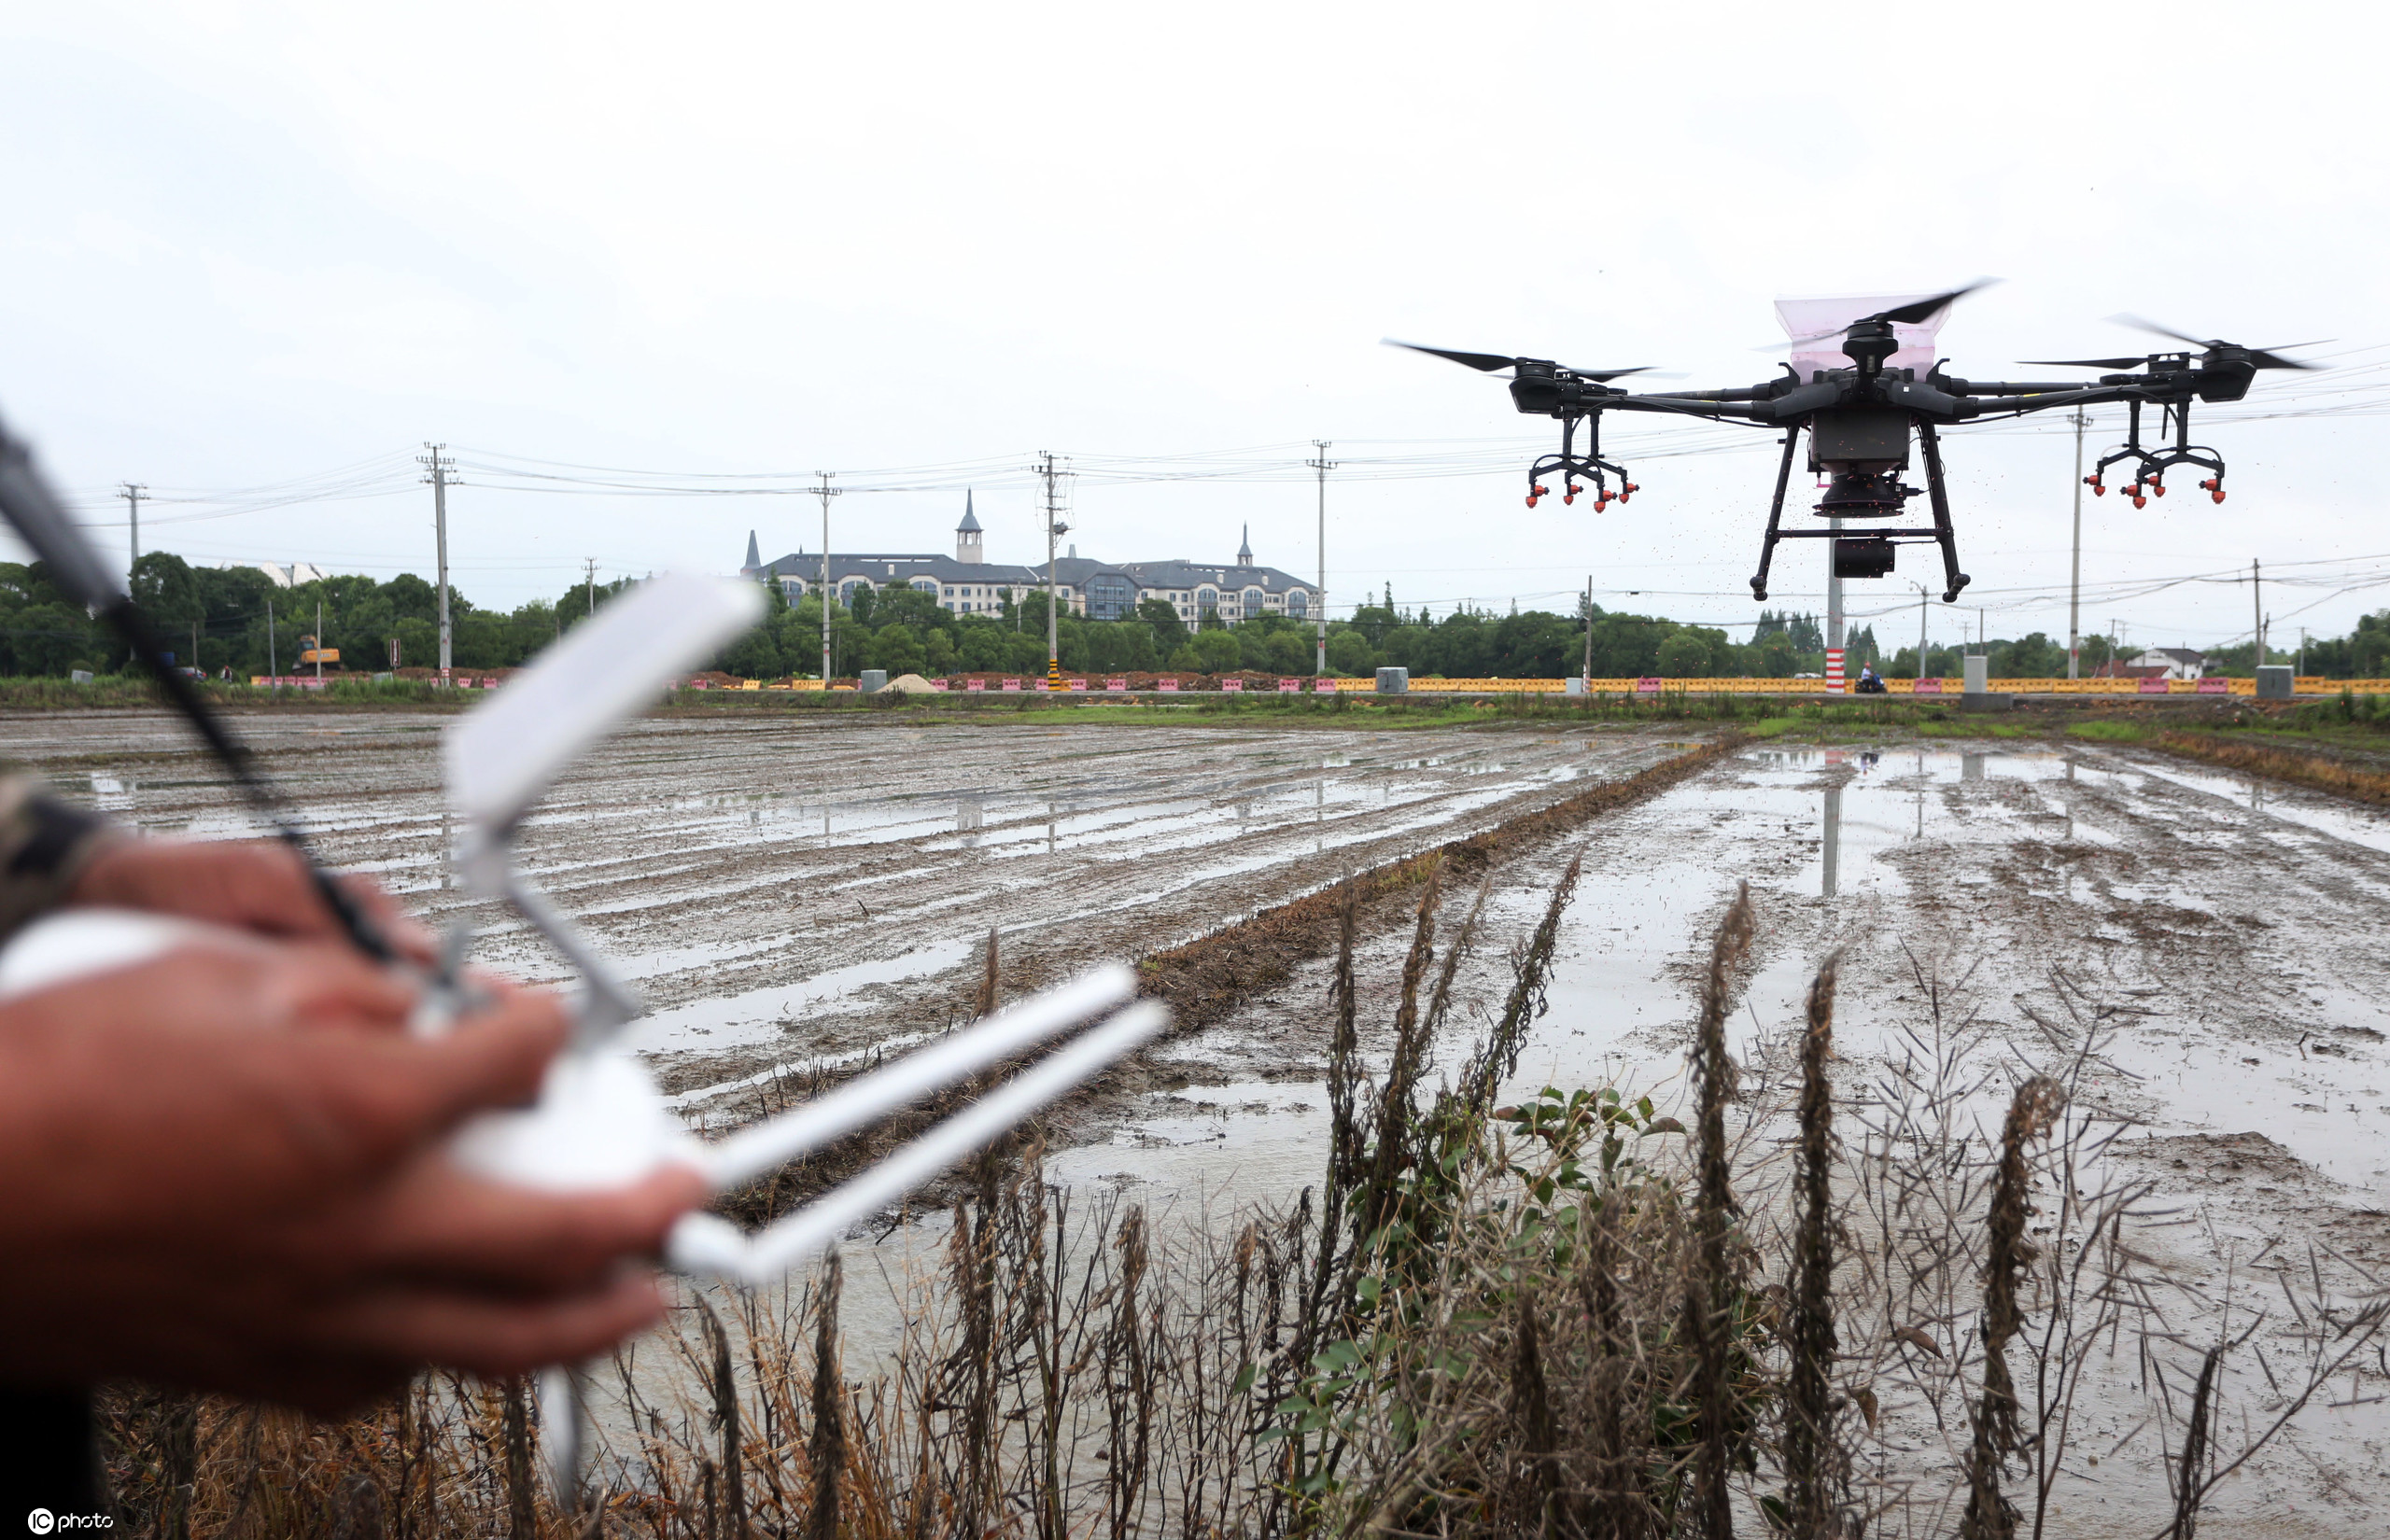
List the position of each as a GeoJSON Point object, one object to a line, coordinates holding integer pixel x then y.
{"type": "Point", "coordinates": [795, 893]}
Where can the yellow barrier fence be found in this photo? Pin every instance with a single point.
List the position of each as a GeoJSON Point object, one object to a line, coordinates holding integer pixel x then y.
{"type": "Point", "coordinates": [2305, 685]}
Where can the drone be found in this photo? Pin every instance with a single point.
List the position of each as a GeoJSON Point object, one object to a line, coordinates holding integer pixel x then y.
{"type": "Point", "coordinates": [1860, 421]}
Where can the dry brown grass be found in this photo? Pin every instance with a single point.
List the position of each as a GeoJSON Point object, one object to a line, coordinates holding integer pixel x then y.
{"type": "Point", "coordinates": [1566, 1316]}
{"type": "Point", "coordinates": [2320, 771]}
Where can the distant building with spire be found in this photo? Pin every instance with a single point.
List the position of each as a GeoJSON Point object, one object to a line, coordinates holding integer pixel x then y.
{"type": "Point", "coordinates": [967, 583]}
{"type": "Point", "coordinates": [967, 548]}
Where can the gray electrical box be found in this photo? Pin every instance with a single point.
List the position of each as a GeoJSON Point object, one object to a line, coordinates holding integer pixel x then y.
{"type": "Point", "coordinates": [2276, 682]}
{"type": "Point", "coordinates": [871, 680]}
{"type": "Point", "coordinates": [1394, 681]}
{"type": "Point", "coordinates": [1979, 672]}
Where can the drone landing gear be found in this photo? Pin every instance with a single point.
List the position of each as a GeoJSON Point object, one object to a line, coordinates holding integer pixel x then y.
{"type": "Point", "coordinates": [2150, 466]}
{"type": "Point", "coordinates": [1869, 554]}
{"type": "Point", "coordinates": [1570, 464]}
{"type": "Point", "coordinates": [1775, 516]}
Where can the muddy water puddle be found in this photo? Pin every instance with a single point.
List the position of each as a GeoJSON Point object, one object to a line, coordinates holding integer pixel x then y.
{"type": "Point", "coordinates": [2227, 953]}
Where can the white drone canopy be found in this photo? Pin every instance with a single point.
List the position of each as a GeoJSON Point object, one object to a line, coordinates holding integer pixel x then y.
{"type": "Point", "coordinates": [1815, 326]}
{"type": "Point", "coordinates": [503, 755]}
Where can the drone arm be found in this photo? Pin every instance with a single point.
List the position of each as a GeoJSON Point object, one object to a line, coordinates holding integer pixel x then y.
{"type": "Point", "coordinates": [703, 1244]}
{"type": "Point", "coordinates": [609, 1002]}
{"type": "Point", "coordinates": [2021, 388]}
{"type": "Point", "coordinates": [1757, 413]}
{"type": "Point", "coordinates": [1743, 393]}
{"type": "Point", "coordinates": [751, 1153]}
{"type": "Point", "coordinates": [1983, 402]}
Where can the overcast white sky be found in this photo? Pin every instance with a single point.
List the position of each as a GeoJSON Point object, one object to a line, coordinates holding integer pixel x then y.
{"type": "Point", "coordinates": [252, 243]}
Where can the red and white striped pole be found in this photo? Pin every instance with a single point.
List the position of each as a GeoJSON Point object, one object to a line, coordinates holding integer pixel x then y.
{"type": "Point", "coordinates": [1834, 670]}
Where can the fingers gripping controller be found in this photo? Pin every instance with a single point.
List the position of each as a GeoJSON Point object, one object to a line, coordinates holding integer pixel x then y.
{"type": "Point", "coordinates": [600, 1122]}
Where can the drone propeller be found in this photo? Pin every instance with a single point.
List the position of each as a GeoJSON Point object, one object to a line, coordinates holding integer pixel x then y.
{"type": "Point", "coordinates": [1907, 315]}
{"type": "Point", "coordinates": [1486, 363]}
{"type": "Point", "coordinates": [2260, 357]}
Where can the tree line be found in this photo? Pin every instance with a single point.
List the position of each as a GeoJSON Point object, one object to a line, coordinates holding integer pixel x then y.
{"type": "Point", "coordinates": [238, 620]}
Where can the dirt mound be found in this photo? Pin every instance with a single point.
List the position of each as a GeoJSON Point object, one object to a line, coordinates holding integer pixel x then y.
{"type": "Point", "coordinates": [2220, 1158]}
{"type": "Point", "coordinates": [910, 684]}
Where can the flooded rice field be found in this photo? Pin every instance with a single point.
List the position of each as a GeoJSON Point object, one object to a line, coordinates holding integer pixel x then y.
{"type": "Point", "coordinates": [784, 893]}
{"type": "Point", "coordinates": [796, 891]}
{"type": "Point", "coordinates": [2206, 952]}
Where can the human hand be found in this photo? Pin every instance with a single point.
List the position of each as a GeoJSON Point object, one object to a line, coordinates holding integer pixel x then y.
{"type": "Point", "coordinates": [201, 1184]}
{"type": "Point", "coordinates": [263, 886]}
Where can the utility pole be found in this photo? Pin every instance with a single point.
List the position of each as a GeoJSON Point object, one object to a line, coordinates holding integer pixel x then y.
{"type": "Point", "coordinates": [823, 490]}
{"type": "Point", "coordinates": [2074, 579]}
{"type": "Point", "coordinates": [2302, 653]}
{"type": "Point", "coordinates": [273, 664]}
{"type": "Point", "coordinates": [1920, 629]}
{"type": "Point", "coordinates": [1834, 615]}
{"type": "Point", "coordinates": [442, 476]}
{"type": "Point", "coordinates": [589, 586]}
{"type": "Point", "coordinates": [1323, 465]}
{"type": "Point", "coordinates": [1589, 633]}
{"type": "Point", "coordinates": [1055, 527]}
{"type": "Point", "coordinates": [2257, 617]}
{"type": "Point", "coordinates": [319, 641]}
{"type": "Point", "coordinates": [131, 494]}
